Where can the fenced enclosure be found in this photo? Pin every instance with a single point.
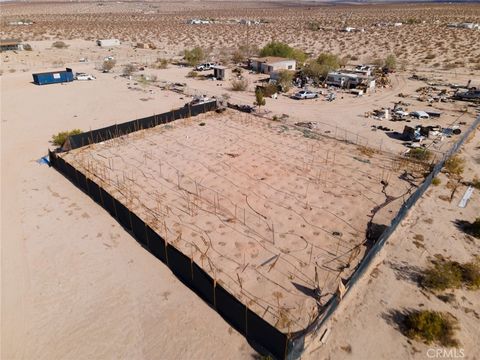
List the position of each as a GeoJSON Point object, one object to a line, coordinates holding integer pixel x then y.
{"type": "Point", "coordinates": [148, 220]}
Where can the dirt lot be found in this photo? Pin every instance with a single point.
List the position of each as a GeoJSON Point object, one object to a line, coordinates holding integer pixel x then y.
{"type": "Point", "coordinates": [260, 205]}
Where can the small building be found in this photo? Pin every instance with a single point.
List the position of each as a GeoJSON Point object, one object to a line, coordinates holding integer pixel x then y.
{"type": "Point", "coordinates": [53, 77]}
{"type": "Point", "coordinates": [219, 72]}
{"type": "Point", "coordinates": [270, 64]}
{"type": "Point", "coordinates": [10, 44]}
{"type": "Point", "coordinates": [108, 42]}
{"type": "Point", "coordinates": [348, 80]}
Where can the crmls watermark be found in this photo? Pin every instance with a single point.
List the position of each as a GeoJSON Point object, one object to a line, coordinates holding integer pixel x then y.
{"type": "Point", "coordinates": [444, 353]}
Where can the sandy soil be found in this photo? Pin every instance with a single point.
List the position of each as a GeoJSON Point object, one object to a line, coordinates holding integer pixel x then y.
{"type": "Point", "coordinates": [71, 276]}
{"type": "Point", "coordinates": [392, 283]}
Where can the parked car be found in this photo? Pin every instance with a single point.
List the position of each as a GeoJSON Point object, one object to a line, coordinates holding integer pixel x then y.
{"type": "Point", "coordinates": [205, 66]}
{"type": "Point", "coordinates": [83, 76]}
{"type": "Point", "coordinates": [305, 94]}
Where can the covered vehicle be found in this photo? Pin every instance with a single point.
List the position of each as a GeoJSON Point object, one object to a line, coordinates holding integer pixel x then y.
{"type": "Point", "coordinates": [420, 115]}
{"type": "Point", "coordinates": [305, 94]}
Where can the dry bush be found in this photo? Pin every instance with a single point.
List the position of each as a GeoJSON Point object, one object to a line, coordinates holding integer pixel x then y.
{"type": "Point", "coordinates": [431, 327]}
{"type": "Point", "coordinates": [239, 84]}
{"type": "Point", "coordinates": [60, 45]}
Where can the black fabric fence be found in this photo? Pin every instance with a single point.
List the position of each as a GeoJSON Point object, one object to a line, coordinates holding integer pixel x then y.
{"type": "Point", "coordinates": [113, 131]}
{"type": "Point", "coordinates": [370, 256]}
{"type": "Point", "coordinates": [258, 331]}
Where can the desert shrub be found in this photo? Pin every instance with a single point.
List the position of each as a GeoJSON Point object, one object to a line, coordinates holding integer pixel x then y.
{"type": "Point", "coordinates": [436, 181]}
{"type": "Point", "coordinates": [192, 74]}
{"type": "Point", "coordinates": [259, 99]}
{"type": "Point", "coordinates": [354, 58]}
{"type": "Point", "coordinates": [160, 64]}
{"type": "Point", "coordinates": [313, 26]}
{"type": "Point", "coordinates": [431, 327]}
{"type": "Point", "coordinates": [129, 69]}
{"type": "Point", "coordinates": [238, 56]}
{"type": "Point", "coordinates": [285, 78]}
{"type": "Point", "coordinates": [455, 166]}
{"type": "Point", "coordinates": [239, 84]}
{"type": "Point", "coordinates": [320, 67]}
{"type": "Point", "coordinates": [108, 65]}
{"type": "Point", "coordinates": [59, 45]}
{"type": "Point", "coordinates": [443, 275]}
{"type": "Point", "coordinates": [475, 183]}
{"type": "Point", "coordinates": [420, 154]}
{"type": "Point", "coordinates": [430, 56]}
{"type": "Point", "coordinates": [194, 56]}
{"type": "Point", "coordinates": [391, 62]}
{"type": "Point", "coordinates": [276, 48]}
{"type": "Point", "coordinates": [447, 274]}
{"type": "Point", "coordinates": [27, 47]}
{"type": "Point", "coordinates": [60, 138]}
{"type": "Point", "coordinates": [269, 89]}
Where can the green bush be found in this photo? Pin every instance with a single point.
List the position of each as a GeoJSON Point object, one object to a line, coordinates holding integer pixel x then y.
{"type": "Point", "coordinates": [436, 181]}
{"type": "Point", "coordinates": [431, 327]}
{"type": "Point", "coordinates": [455, 166]}
{"type": "Point", "coordinates": [259, 99]}
{"type": "Point", "coordinates": [446, 274]}
{"type": "Point", "coordinates": [443, 275]}
{"type": "Point", "coordinates": [420, 154]}
{"type": "Point", "coordinates": [276, 48]}
{"type": "Point", "coordinates": [195, 56]}
{"type": "Point", "coordinates": [60, 138]}
{"type": "Point", "coordinates": [391, 62]}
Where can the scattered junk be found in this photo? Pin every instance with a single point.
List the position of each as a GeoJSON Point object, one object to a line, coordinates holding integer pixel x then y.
{"type": "Point", "coordinates": [202, 99]}
{"type": "Point", "coordinates": [250, 22]}
{"type": "Point", "coordinates": [198, 22]}
{"type": "Point", "coordinates": [219, 72]}
{"type": "Point", "coordinates": [432, 132]}
{"type": "Point", "coordinates": [270, 64]}
{"type": "Point", "coordinates": [108, 42]}
{"type": "Point", "coordinates": [331, 96]}
{"type": "Point", "coordinates": [465, 25]}
{"type": "Point", "coordinates": [348, 80]}
{"type": "Point", "coordinates": [53, 77]}
{"type": "Point", "coordinates": [472, 94]}
{"type": "Point", "coordinates": [468, 194]}
{"type": "Point", "coordinates": [420, 114]}
{"type": "Point", "coordinates": [84, 76]}
{"type": "Point", "coordinates": [10, 44]}
{"type": "Point", "coordinates": [243, 108]}
{"type": "Point", "coordinates": [358, 92]}
{"type": "Point", "coordinates": [83, 60]}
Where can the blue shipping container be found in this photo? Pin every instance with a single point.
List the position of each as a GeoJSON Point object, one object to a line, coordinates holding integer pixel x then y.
{"type": "Point", "coordinates": [53, 77]}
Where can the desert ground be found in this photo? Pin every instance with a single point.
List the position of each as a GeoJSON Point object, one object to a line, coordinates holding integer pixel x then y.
{"type": "Point", "coordinates": [76, 285]}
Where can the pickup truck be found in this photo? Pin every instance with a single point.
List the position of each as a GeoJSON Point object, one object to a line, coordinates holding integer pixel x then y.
{"type": "Point", "coordinates": [205, 66]}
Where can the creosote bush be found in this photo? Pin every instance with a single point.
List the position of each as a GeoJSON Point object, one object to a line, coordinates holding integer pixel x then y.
{"type": "Point", "coordinates": [447, 274]}
{"type": "Point", "coordinates": [239, 85]}
{"type": "Point", "coordinates": [431, 327]}
{"type": "Point", "coordinates": [455, 166]}
{"type": "Point", "coordinates": [59, 139]}
{"type": "Point", "coordinates": [276, 48]}
{"type": "Point", "coordinates": [59, 45]}
{"type": "Point", "coordinates": [420, 154]}
{"type": "Point", "coordinates": [194, 56]}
